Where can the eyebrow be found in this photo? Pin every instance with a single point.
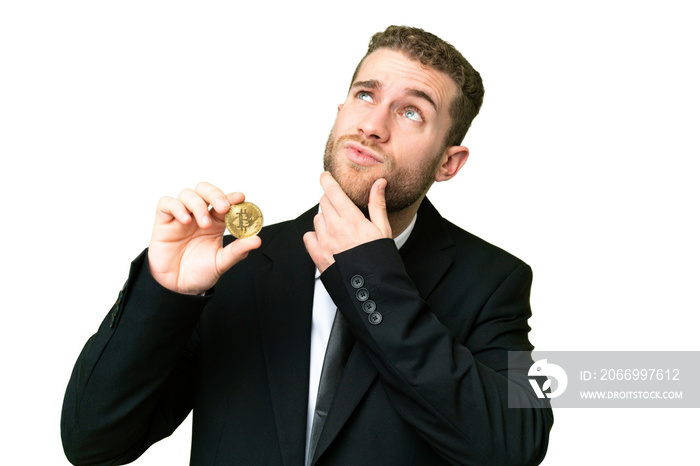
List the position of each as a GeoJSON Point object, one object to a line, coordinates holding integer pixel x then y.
{"type": "Point", "coordinates": [374, 84]}
{"type": "Point", "coordinates": [422, 95]}
{"type": "Point", "coordinates": [370, 84]}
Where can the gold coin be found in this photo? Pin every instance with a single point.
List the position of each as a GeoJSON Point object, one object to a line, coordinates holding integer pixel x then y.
{"type": "Point", "coordinates": [244, 220]}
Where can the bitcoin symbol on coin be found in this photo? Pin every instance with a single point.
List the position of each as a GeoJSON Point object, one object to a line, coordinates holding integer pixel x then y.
{"type": "Point", "coordinates": [244, 220]}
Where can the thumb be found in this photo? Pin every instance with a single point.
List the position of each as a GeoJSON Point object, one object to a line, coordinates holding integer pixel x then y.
{"type": "Point", "coordinates": [377, 207]}
{"type": "Point", "coordinates": [236, 252]}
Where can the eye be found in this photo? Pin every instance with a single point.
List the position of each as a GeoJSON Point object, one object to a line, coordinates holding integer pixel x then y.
{"type": "Point", "coordinates": [413, 114]}
{"type": "Point", "coordinates": [364, 95]}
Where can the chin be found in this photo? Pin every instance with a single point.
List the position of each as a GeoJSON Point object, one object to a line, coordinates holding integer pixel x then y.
{"type": "Point", "coordinates": [356, 185]}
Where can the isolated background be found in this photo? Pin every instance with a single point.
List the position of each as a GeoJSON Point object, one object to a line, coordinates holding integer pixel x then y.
{"type": "Point", "coordinates": [584, 164]}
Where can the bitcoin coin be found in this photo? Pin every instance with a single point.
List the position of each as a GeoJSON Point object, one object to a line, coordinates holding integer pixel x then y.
{"type": "Point", "coordinates": [244, 220]}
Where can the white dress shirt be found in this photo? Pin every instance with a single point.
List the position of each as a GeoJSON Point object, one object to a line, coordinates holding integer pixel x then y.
{"type": "Point", "coordinates": [322, 322]}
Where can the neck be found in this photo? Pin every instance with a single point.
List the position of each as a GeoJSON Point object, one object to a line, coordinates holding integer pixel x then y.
{"type": "Point", "coordinates": [400, 220]}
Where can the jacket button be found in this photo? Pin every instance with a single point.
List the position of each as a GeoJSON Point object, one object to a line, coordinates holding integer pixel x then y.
{"type": "Point", "coordinates": [375, 318]}
{"type": "Point", "coordinates": [362, 294]}
{"type": "Point", "coordinates": [357, 281]}
{"type": "Point", "coordinates": [369, 306]}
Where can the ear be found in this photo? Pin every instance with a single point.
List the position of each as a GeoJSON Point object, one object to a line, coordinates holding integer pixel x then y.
{"type": "Point", "coordinates": [452, 161]}
{"type": "Point", "coordinates": [340, 106]}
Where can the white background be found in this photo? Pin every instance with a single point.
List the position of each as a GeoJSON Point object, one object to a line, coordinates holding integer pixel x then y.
{"type": "Point", "coordinates": [583, 163]}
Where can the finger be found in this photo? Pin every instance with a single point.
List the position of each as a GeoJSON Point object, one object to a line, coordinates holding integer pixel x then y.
{"type": "Point", "coordinates": [377, 207]}
{"type": "Point", "coordinates": [316, 252]}
{"type": "Point", "coordinates": [337, 197]}
{"type": "Point", "coordinates": [214, 196]}
{"type": "Point", "coordinates": [327, 209]}
{"type": "Point", "coordinates": [231, 199]}
{"type": "Point", "coordinates": [320, 225]}
{"type": "Point", "coordinates": [194, 203]}
{"type": "Point", "coordinates": [236, 252]}
{"type": "Point", "coordinates": [169, 209]}
{"type": "Point", "coordinates": [312, 246]}
{"type": "Point", "coordinates": [235, 198]}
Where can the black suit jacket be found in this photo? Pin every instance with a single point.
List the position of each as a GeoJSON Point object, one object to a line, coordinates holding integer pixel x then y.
{"type": "Point", "coordinates": [426, 386]}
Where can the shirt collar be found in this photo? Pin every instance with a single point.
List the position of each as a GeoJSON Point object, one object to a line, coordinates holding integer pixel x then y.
{"type": "Point", "coordinates": [403, 237]}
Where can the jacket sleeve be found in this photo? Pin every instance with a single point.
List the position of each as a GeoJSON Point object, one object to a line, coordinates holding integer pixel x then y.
{"type": "Point", "coordinates": [132, 383]}
{"type": "Point", "coordinates": [450, 384]}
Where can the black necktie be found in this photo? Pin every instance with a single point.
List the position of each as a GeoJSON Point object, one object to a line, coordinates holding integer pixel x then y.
{"type": "Point", "coordinates": [337, 352]}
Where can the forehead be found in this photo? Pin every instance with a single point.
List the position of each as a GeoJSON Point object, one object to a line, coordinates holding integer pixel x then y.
{"type": "Point", "coordinates": [396, 72]}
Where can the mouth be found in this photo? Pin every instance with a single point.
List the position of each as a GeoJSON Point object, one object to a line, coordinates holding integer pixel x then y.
{"type": "Point", "coordinates": [361, 155]}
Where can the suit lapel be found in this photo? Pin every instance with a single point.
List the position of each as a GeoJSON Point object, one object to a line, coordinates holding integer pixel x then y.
{"type": "Point", "coordinates": [286, 300]}
{"type": "Point", "coordinates": [424, 253]}
{"type": "Point", "coordinates": [426, 263]}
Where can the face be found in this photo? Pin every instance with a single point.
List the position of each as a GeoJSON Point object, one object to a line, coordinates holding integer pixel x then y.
{"type": "Point", "coordinates": [392, 125]}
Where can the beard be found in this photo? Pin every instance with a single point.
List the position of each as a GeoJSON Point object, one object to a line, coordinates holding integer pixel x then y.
{"type": "Point", "coordinates": [405, 185]}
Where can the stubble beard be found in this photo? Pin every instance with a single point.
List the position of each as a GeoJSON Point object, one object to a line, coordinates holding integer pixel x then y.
{"type": "Point", "coordinates": [404, 185]}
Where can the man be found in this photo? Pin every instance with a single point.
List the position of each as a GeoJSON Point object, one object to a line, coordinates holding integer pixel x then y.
{"type": "Point", "coordinates": [429, 316]}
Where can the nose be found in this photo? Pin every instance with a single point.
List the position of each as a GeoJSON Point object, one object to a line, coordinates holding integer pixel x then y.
{"type": "Point", "coordinates": [374, 124]}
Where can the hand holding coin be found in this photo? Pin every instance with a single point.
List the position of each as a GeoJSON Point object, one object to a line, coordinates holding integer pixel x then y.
{"type": "Point", "coordinates": [186, 253]}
